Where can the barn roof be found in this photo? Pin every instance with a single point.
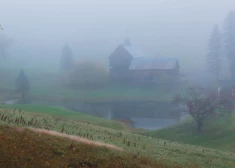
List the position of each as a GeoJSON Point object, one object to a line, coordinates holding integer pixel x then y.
{"type": "Point", "coordinates": [153, 63]}
{"type": "Point", "coordinates": [133, 51]}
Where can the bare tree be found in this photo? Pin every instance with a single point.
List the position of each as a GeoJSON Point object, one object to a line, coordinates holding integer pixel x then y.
{"type": "Point", "coordinates": [229, 40]}
{"type": "Point", "coordinates": [199, 104]}
{"type": "Point", "coordinates": [214, 48]}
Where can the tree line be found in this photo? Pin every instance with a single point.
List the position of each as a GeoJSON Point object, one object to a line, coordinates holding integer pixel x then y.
{"type": "Point", "coordinates": [222, 43]}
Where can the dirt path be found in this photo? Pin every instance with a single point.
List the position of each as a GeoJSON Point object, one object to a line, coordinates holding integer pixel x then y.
{"type": "Point", "coordinates": [76, 138]}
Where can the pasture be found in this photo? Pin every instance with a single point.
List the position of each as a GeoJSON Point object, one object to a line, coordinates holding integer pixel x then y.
{"type": "Point", "coordinates": [170, 153]}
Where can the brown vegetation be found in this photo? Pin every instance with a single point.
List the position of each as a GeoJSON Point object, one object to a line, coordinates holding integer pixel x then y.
{"type": "Point", "coordinates": [26, 148]}
{"type": "Point", "coordinates": [76, 138]}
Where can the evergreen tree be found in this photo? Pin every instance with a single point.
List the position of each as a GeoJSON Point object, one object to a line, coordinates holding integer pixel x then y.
{"type": "Point", "coordinates": [22, 86]}
{"type": "Point", "coordinates": [229, 40]}
{"type": "Point", "coordinates": [4, 45]}
{"type": "Point", "coordinates": [214, 49]}
{"type": "Point", "coordinates": [66, 61]}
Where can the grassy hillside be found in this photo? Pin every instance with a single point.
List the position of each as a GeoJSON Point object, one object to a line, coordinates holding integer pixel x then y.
{"type": "Point", "coordinates": [66, 114]}
{"type": "Point", "coordinates": [30, 149]}
{"type": "Point", "coordinates": [217, 133]}
{"type": "Point", "coordinates": [148, 149]}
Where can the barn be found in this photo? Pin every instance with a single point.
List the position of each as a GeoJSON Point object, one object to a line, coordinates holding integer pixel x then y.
{"type": "Point", "coordinates": [129, 63]}
{"type": "Point", "coordinates": [154, 69]}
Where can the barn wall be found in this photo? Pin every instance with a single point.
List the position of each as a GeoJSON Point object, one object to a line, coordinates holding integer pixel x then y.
{"type": "Point", "coordinates": [154, 74]}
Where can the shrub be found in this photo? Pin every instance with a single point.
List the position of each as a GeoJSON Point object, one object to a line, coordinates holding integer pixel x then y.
{"type": "Point", "coordinates": [88, 74]}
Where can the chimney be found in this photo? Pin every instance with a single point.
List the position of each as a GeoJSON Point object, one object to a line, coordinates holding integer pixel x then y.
{"type": "Point", "coordinates": [127, 42]}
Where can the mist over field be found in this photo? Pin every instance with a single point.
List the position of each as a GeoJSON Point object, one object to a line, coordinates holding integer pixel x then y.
{"type": "Point", "coordinates": [117, 83]}
{"type": "Point", "coordinates": [70, 52]}
{"type": "Point", "coordinates": [93, 29]}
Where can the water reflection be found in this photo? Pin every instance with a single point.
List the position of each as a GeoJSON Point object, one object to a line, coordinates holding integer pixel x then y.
{"type": "Point", "coordinates": [155, 123]}
{"type": "Point", "coordinates": [152, 123]}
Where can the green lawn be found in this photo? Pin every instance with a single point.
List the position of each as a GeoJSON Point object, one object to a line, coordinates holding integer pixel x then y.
{"type": "Point", "coordinates": [216, 133]}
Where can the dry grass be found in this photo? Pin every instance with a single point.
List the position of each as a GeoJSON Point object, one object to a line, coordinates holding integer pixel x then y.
{"type": "Point", "coordinates": [75, 138]}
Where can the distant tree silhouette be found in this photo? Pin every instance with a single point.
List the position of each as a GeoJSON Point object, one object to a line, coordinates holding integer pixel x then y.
{"type": "Point", "coordinates": [4, 45]}
{"type": "Point", "coordinates": [22, 86]}
{"type": "Point", "coordinates": [229, 40]}
{"type": "Point", "coordinates": [66, 60]}
{"type": "Point", "coordinates": [214, 49]}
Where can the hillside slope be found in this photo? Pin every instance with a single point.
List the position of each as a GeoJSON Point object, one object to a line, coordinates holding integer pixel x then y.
{"type": "Point", "coordinates": [65, 114]}
{"type": "Point", "coordinates": [217, 133]}
{"type": "Point", "coordinates": [35, 150]}
{"type": "Point", "coordinates": [149, 150]}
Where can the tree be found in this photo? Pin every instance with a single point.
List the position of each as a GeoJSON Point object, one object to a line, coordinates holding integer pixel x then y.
{"type": "Point", "coordinates": [214, 48]}
{"type": "Point", "coordinates": [66, 61]}
{"type": "Point", "coordinates": [4, 45]}
{"type": "Point", "coordinates": [22, 86]}
{"type": "Point", "coordinates": [88, 74]}
{"type": "Point", "coordinates": [200, 105]}
{"type": "Point", "coordinates": [229, 40]}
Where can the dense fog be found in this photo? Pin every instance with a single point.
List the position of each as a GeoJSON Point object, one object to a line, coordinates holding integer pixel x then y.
{"type": "Point", "coordinates": [131, 66]}
{"type": "Point", "coordinates": [163, 28]}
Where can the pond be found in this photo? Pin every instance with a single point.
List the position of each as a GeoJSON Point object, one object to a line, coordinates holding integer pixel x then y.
{"type": "Point", "coordinates": [154, 123]}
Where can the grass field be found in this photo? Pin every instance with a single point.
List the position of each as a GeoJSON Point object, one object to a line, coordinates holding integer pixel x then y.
{"type": "Point", "coordinates": [217, 133]}
{"type": "Point", "coordinates": [166, 153]}
{"type": "Point", "coordinates": [66, 114]}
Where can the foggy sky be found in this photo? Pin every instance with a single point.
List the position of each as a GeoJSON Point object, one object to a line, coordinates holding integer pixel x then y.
{"type": "Point", "coordinates": [94, 28]}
